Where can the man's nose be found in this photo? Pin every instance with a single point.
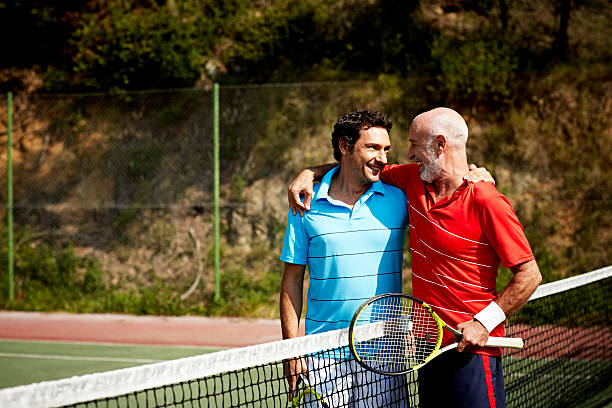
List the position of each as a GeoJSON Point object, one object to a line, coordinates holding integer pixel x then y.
{"type": "Point", "coordinates": [382, 157]}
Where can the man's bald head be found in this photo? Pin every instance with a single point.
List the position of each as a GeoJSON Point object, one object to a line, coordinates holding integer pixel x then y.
{"type": "Point", "coordinates": [443, 121]}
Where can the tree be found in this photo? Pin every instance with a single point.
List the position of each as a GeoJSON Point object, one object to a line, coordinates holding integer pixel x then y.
{"type": "Point", "coordinates": [561, 41]}
{"type": "Point", "coordinates": [120, 45]}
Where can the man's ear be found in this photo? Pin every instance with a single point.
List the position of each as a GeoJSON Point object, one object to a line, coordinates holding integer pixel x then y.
{"type": "Point", "coordinates": [440, 144]}
{"type": "Point", "coordinates": [343, 146]}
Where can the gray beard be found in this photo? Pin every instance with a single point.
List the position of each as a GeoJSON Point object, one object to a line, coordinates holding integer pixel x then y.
{"type": "Point", "coordinates": [429, 172]}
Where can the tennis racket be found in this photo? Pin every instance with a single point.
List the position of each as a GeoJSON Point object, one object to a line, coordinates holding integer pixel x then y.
{"type": "Point", "coordinates": [396, 334]}
{"type": "Point", "coordinates": [305, 395]}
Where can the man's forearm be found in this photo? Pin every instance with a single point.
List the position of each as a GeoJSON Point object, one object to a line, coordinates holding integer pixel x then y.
{"type": "Point", "coordinates": [289, 317]}
{"type": "Point", "coordinates": [291, 300]}
{"type": "Point", "coordinates": [525, 281]}
{"type": "Point", "coordinates": [320, 171]}
{"type": "Point", "coordinates": [290, 312]}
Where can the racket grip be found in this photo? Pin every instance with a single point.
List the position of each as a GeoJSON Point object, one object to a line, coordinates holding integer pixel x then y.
{"type": "Point", "coordinates": [508, 342]}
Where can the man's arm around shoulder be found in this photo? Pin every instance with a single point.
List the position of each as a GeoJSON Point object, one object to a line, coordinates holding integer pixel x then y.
{"type": "Point", "coordinates": [302, 184]}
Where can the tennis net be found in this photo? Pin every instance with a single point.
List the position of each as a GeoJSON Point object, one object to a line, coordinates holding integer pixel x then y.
{"type": "Point", "coordinates": [567, 361]}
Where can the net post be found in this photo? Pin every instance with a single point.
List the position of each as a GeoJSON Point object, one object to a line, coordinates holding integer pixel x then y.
{"type": "Point", "coordinates": [216, 186]}
{"type": "Point", "coordinates": [9, 184]}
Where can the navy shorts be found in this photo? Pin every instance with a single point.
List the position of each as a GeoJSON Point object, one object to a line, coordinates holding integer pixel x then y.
{"type": "Point", "coordinates": [456, 379]}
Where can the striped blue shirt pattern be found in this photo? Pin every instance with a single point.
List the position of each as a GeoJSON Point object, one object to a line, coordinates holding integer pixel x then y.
{"type": "Point", "coordinates": [352, 254]}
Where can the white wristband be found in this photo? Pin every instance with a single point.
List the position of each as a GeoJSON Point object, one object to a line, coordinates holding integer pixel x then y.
{"type": "Point", "coordinates": [491, 316]}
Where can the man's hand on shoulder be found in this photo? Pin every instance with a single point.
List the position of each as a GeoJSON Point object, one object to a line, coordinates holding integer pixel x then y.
{"type": "Point", "coordinates": [476, 174]}
{"type": "Point", "coordinates": [301, 185]}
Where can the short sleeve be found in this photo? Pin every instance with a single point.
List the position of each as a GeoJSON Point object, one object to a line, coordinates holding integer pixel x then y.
{"type": "Point", "coordinates": [295, 245]}
{"type": "Point", "coordinates": [399, 175]}
{"type": "Point", "coordinates": [505, 232]}
{"type": "Point", "coordinates": [390, 175]}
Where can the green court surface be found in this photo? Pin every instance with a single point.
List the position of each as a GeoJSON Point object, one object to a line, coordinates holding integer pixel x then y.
{"type": "Point", "coordinates": [26, 362]}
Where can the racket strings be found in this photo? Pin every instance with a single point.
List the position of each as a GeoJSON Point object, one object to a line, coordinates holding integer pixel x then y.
{"type": "Point", "coordinates": [406, 334]}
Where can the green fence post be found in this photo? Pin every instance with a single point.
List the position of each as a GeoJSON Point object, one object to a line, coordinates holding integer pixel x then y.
{"type": "Point", "coordinates": [216, 186]}
{"type": "Point", "coordinates": [9, 183]}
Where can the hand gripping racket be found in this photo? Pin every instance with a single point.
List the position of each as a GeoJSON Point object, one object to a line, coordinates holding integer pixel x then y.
{"type": "Point", "coordinates": [396, 334]}
{"type": "Point", "coordinates": [305, 395]}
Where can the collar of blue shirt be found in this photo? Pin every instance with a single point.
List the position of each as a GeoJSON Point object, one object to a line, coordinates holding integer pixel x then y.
{"type": "Point", "coordinates": [323, 190]}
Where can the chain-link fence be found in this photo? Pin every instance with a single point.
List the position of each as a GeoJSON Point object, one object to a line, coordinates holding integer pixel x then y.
{"type": "Point", "coordinates": [127, 180]}
{"type": "Point", "coordinates": [81, 162]}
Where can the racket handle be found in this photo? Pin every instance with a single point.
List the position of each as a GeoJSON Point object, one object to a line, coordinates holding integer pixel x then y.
{"type": "Point", "coordinates": [509, 342]}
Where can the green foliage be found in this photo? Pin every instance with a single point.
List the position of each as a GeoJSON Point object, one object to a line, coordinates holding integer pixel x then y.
{"type": "Point", "coordinates": [243, 295]}
{"type": "Point", "coordinates": [249, 282]}
{"type": "Point", "coordinates": [237, 185]}
{"type": "Point", "coordinates": [480, 70]}
{"type": "Point", "coordinates": [127, 216]}
{"type": "Point", "coordinates": [144, 161]}
{"type": "Point", "coordinates": [545, 123]}
{"type": "Point", "coordinates": [124, 46]}
{"type": "Point", "coordinates": [158, 298]}
{"type": "Point", "coordinates": [574, 148]}
{"type": "Point", "coordinates": [48, 278]}
{"type": "Point", "coordinates": [323, 40]}
{"type": "Point", "coordinates": [133, 44]}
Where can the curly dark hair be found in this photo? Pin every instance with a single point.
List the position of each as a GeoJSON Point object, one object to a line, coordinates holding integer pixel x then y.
{"type": "Point", "coordinates": [350, 125]}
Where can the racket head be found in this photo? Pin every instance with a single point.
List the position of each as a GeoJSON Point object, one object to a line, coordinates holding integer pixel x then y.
{"type": "Point", "coordinates": [305, 395]}
{"type": "Point", "coordinates": [394, 334]}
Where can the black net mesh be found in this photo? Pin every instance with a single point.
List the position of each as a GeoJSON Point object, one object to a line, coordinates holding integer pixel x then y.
{"type": "Point", "coordinates": [567, 361]}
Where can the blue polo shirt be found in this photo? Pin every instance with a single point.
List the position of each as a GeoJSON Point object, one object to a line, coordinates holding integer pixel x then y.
{"type": "Point", "coordinates": [352, 254]}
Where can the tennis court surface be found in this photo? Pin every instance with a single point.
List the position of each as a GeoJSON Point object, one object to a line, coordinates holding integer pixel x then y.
{"type": "Point", "coordinates": [566, 362]}
{"type": "Point", "coordinates": [25, 362]}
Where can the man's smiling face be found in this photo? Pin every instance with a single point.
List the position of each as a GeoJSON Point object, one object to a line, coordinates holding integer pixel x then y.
{"type": "Point", "coordinates": [369, 155]}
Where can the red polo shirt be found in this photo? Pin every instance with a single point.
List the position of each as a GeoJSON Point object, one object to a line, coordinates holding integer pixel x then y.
{"type": "Point", "coordinates": [457, 245]}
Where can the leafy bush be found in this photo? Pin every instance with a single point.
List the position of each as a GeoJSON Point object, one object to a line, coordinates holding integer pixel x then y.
{"type": "Point", "coordinates": [479, 70]}
{"type": "Point", "coordinates": [122, 46]}
{"type": "Point", "coordinates": [242, 295]}
{"type": "Point", "coordinates": [49, 278]}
